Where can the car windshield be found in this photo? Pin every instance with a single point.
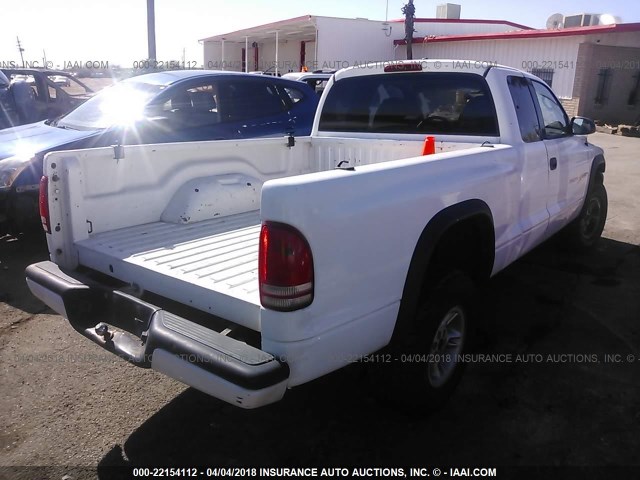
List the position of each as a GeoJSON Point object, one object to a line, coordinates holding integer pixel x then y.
{"type": "Point", "coordinates": [122, 104]}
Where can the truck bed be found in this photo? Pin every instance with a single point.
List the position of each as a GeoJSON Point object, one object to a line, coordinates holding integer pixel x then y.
{"type": "Point", "coordinates": [196, 241]}
{"type": "Point", "coordinates": [211, 265]}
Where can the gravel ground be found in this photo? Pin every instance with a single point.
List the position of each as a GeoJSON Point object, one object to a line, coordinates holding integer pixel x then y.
{"type": "Point", "coordinates": [65, 402]}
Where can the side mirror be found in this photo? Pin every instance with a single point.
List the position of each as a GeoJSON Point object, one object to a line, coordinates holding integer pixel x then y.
{"type": "Point", "coordinates": [582, 126]}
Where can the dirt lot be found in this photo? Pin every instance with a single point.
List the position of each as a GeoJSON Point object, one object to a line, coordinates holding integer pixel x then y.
{"type": "Point", "coordinates": [65, 402]}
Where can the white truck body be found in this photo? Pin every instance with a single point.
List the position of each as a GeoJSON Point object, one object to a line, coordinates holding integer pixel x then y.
{"type": "Point", "coordinates": [183, 221]}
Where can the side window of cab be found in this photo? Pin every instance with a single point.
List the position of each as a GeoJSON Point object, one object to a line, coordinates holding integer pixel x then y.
{"type": "Point", "coordinates": [525, 109]}
{"type": "Point", "coordinates": [554, 118]}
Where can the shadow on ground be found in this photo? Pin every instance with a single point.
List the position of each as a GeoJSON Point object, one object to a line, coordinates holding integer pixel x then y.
{"type": "Point", "coordinates": [16, 253]}
{"type": "Point", "coordinates": [575, 407]}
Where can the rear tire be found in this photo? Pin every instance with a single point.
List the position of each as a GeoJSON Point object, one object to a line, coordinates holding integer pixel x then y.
{"type": "Point", "coordinates": [428, 364]}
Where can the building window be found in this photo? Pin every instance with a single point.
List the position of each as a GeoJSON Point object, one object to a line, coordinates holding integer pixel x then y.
{"type": "Point", "coordinates": [544, 74]}
{"type": "Point", "coordinates": [634, 96]}
{"type": "Point", "coordinates": [604, 80]}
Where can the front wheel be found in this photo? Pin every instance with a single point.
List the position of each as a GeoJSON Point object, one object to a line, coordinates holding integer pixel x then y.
{"type": "Point", "coordinates": [585, 230]}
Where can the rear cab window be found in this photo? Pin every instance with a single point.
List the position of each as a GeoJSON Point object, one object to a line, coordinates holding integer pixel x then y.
{"type": "Point", "coordinates": [427, 102]}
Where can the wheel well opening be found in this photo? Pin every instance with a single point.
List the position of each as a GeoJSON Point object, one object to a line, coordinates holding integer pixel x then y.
{"type": "Point", "coordinates": [454, 239]}
{"type": "Point", "coordinates": [467, 246]}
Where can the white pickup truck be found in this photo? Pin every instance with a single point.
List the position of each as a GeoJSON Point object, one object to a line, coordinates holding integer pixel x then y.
{"type": "Point", "coordinates": [244, 268]}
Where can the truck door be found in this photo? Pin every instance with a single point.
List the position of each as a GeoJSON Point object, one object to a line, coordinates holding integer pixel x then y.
{"type": "Point", "coordinates": [568, 160]}
{"type": "Point", "coordinates": [533, 215]}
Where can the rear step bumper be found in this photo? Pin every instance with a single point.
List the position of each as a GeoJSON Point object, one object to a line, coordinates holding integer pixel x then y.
{"type": "Point", "coordinates": [148, 336]}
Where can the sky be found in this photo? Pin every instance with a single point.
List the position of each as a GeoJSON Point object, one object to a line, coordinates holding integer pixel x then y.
{"type": "Point", "coordinates": [115, 31]}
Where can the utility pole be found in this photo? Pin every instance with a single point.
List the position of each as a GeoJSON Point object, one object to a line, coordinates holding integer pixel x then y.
{"type": "Point", "coordinates": [20, 49]}
{"type": "Point", "coordinates": [151, 29]}
{"type": "Point", "coordinates": [409, 11]}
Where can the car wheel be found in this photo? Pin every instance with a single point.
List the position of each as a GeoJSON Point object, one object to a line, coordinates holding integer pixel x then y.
{"type": "Point", "coordinates": [585, 230]}
{"type": "Point", "coordinates": [428, 365]}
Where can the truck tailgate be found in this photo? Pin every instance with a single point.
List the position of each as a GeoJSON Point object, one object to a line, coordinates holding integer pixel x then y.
{"type": "Point", "coordinates": [210, 265]}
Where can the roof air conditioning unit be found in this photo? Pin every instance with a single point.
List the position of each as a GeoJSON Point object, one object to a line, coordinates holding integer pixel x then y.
{"type": "Point", "coordinates": [450, 11]}
{"type": "Point", "coordinates": [581, 20]}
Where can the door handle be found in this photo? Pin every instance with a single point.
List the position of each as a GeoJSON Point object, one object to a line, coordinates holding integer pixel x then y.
{"type": "Point", "coordinates": [553, 163]}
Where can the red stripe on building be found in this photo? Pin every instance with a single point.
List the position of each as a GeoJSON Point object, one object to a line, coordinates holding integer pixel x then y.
{"type": "Point", "coordinates": [564, 32]}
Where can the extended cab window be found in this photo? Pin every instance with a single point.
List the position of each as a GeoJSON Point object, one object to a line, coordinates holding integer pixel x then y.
{"type": "Point", "coordinates": [556, 123]}
{"type": "Point", "coordinates": [525, 108]}
{"type": "Point", "coordinates": [440, 103]}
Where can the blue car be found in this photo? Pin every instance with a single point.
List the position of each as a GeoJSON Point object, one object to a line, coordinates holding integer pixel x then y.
{"type": "Point", "coordinates": [177, 106]}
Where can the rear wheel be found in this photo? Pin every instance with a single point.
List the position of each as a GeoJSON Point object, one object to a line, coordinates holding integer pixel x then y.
{"type": "Point", "coordinates": [429, 363]}
{"type": "Point", "coordinates": [446, 346]}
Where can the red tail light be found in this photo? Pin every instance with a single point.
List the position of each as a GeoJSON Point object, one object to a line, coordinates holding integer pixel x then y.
{"type": "Point", "coordinates": [285, 268]}
{"type": "Point", "coordinates": [43, 203]}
